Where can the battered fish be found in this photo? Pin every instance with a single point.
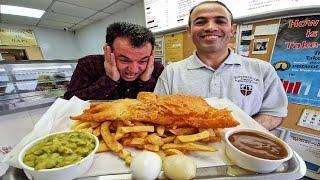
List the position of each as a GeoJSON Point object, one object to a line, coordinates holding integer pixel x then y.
{"type": "Point", "coordinates": [170, 110]}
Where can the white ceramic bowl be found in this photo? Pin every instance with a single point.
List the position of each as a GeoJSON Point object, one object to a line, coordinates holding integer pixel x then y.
{"type": "Point", "coordinates": [251, 162]}
{"type": "Point", "coordinates": [67, 172]}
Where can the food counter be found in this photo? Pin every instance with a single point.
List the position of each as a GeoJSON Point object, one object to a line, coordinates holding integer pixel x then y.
{"type": "Point", "coordinates": [293, 169]}
{"type": "Point", "coordinates": [25, 85]}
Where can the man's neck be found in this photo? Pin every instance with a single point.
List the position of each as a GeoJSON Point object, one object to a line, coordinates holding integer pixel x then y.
{"type": "Point", "coordinates": [214, 59]}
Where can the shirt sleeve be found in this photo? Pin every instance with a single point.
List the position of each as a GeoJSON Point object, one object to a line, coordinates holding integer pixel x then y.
{"type": "Point", "coordinates": [163, 86]}
{"type": "Point", "coordinates": [85, 85]}
{"type": "Point", "coordinates": [275, 101]}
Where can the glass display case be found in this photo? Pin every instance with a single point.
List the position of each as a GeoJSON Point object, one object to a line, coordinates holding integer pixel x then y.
{"type": "Point", "coordinates": [26, 84]}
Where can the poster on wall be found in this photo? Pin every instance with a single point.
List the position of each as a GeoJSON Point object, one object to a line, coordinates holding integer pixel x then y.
{"type": "Point", "coordinates": [260, 46]}
{"type": "Point", "coordinates": [296, 58]}
{"type": "Point", "coordinates": [158, 46]}
{"type": "Point", "coordinates": [310, 119]}
{"type": "Point", "coordinates": [173, 49]}
{"type": "Point", "coordinates": [308, 147]}
{"type": "Point", "coordinates": [246, 37]}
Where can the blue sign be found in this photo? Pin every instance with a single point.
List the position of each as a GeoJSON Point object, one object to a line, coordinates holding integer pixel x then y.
{"type": "Point", "coordinates": [296, 58]}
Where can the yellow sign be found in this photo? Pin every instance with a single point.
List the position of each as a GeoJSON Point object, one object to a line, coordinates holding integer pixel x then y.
{"type": "Point", "coordinates": [17, 37]}
{"type": "Point", "coordinates": [173, 44]}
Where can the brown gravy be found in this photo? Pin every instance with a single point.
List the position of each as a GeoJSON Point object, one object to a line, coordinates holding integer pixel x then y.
{"type": "Point", "coordinates": [258, 145]}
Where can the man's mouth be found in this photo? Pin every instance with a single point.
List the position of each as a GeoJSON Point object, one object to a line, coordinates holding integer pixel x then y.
{"type": "Point", "coordinates": [210, 36]}
{"type": "Point", "coordinates": [130, 75]}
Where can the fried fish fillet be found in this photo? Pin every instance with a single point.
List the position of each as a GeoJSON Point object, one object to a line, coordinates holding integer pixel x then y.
{"type": "Point", "coordinates": [170, 110]}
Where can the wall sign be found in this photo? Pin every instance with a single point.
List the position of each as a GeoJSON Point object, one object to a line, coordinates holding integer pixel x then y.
{"type": "Point", "coordinates": [17, 37]}
{"type": "Point", "coordinates": [296, 57]}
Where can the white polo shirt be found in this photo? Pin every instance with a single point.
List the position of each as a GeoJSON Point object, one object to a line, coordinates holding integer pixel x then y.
{"type": "Point", "coordinates": [251, 84]}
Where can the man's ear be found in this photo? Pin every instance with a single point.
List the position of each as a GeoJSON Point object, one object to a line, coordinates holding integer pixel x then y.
{"type": "Point", "coordinates": [233, 29]}
{"type": "Point", "coordinates": [189, 31]}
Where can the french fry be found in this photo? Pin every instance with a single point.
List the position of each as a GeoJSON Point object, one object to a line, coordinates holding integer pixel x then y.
{"type": "Point", "coordinates": [102, 147]}
{"type": "Point", "coordinates": [97, 131]}
{"type": "Point", "coordinates": [194, 137]}
{"type": "Point", "coordinates": [154, 139]}
{"type": "Point", "coordinates": [82, 125]}
{"type": "Point", "coordinates": [142, 134]}
{"type": "Point", "coordinates": [212, 137]}
{"type": "Point", "coordinates": [75, 124]}
{"type": "Point", "coordinates": [128, 123]}
{"type": "Point", "coordinates": [176, 141]}
{"type": "Point", "coordinates": [137, 129]}
{"type": "Point", "coordinates": [125, 155]}
{"type": "Point", "coordinates": [118, 134]}
{"type": "Point", "coordinates": [183, 131]}
{"type": "Point", "coordinates": [114, 145]}
{"type": "Point", "coordinates": [137, 141]}
{"type": "Point", "coordinates": [169, 139]}
{"type": "Point", "coordinates": [189, 147]}
{"type": "Point", "coordinates": [88, 130]}
{"type": "Point", "coordinates": [170, 152]}
{"type": "Point", "coordinates": [161, 154]}
{"type": "Point", "coordinates": [151, 147]}
{"type": "Point", "coordinates": [160, 130]}
{"type": "Point", "coordinates": [126, 141]}
{"type": "Point", "coordinates": [94, 124]}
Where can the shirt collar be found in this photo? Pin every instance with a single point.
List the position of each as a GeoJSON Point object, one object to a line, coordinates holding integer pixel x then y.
{"type": "Point", "coordinates": [196, 63]}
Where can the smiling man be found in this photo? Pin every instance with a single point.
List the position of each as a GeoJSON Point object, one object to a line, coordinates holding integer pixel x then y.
{"type": "Point", "coordinates": [126, 68]}
{"type": "Point", "coordinates": [214, 71]}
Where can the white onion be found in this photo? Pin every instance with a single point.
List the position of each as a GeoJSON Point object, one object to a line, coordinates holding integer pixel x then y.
{"type": "Point", "coordinates": [179, 167]}
{"type": "Point", "coordinates": [146, 165]}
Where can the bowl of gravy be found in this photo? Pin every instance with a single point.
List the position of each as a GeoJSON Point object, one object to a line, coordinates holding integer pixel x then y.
{"type": "Point", "coordinates": [256, 150]}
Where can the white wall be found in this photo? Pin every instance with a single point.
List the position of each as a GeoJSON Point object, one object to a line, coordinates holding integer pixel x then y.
{"type": "Point", "coordinates": [54, 44]}
{"type": "Point", "coordinates": [91, 38]}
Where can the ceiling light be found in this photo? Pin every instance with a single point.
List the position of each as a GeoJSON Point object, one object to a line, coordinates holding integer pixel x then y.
{"type": "Point", "coordinates": [21, 11]}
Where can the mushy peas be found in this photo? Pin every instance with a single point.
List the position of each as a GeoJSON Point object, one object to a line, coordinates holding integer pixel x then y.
{"type": "Point", "coordinates": [59, 150]}
{"type": "Point", "coordinates": [258, 145]}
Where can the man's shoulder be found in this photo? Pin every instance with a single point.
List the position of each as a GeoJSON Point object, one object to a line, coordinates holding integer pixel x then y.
{"type": "Point", "coordinates": [254, 62]}
{"type": "Point", "coordinates": [179, 64]}
{"type": "Point", "coordinates": [91, 59]}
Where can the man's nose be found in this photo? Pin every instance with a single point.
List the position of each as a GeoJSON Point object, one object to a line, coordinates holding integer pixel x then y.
{"type": "Point", "coordinates": [134, 67]}
{"type": "Point", "coordinates": [211, 26]}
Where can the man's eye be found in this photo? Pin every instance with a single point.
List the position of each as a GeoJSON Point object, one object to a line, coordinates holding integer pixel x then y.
{"type": "Point", "coordinates": [123, 60]}
{"type": "Point", "coordinates": [221, 21]}
{"type": "Point", "coordinates": [142, 62]}
{"type": "Point", "coordinates": [199, 22]}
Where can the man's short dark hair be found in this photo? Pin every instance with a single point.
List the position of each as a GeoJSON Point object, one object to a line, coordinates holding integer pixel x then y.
{"type": "Point", "coordinates": [207, 2]}
{"type": "Point", "coordinates": [138, 35]}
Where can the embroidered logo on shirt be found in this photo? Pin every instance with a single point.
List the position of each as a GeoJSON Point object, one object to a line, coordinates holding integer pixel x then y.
{"type": "Point", "coordinates": [246, 79]}
{"type": "Point", "coordinates": [246, 89]}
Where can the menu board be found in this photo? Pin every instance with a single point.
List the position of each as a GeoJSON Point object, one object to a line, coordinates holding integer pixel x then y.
{"type": "Point", "coordinates": [162, 15]}
{"type": "Point", "coordinates": [167, 14]}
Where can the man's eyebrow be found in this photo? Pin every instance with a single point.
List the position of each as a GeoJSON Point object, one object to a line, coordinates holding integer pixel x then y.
{"type": "Point", "coordinates": [146, 57]}
{"type": "Point", "coordinates": [221, 17]}
{"type": "Point", "coordinates": [123, 56]}
{"type": "Point", "coordinates": [216, 17]}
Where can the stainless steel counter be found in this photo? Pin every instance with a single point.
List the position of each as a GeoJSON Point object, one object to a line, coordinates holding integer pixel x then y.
{"type": "Point", "coordinates": [295, 168]}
